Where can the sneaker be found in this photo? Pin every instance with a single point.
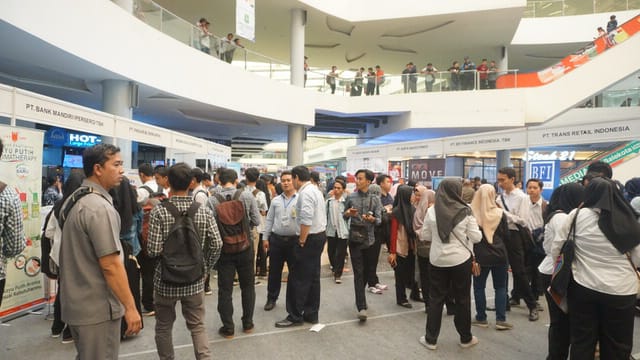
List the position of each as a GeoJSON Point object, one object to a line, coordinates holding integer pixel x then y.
{"type": "Point", "coordinates": [208, 292]}
{"type": "Point", "coordinates": [362, 315]}
{"type": "Point", "coordinates": [375, 290]}
{"type": "Point", "coordinates": [381, 287]}
{"type": "Point", "coordinates": [474, 341]}
{"type": "Point", "coordinates": [149, 313]}
{"type": "Point", "coordinates": [503, 325]}
{"type": "Point", "coordinates": [539, 306]}
{"type": "Point", "coordinates": [338, 280]}
{"type": "Point", "coordinates": [424, 343]}
{"type": "Point", "coordinates": [533, 315]}
{"type": "Point", "coordinates": [247, 328]}
{"type": "Point", "coordinates": [226, 333]}
{"type": "Point", "coordinates": [514, 302]}
{"type": "Point", "coordinates": [67, 338]}
{"type": "Point", "coordinates": [480, 323]}
{"type": "Point", "coordinates": [56, 333]}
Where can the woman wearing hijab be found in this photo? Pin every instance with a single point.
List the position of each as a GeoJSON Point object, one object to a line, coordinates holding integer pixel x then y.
{"type": "Point", "coordinates": [632, 193]}
{"type": "Point", "coordinates": [491, 254]}
{"type": "Point", "coordinates": [53, 232]}
{"type": "Point", "coordinates": [563, 200]}
{"type": "Point", "coordinates": [424, 199]}
{"type": "Point", "coordinates": [402, 245]}
{"type": "Point", "coordinates": [603, 288]}
{"type": "Point", "coordinates": [337, 230]}
{"type": "Point", "coordinates": [452, 230]}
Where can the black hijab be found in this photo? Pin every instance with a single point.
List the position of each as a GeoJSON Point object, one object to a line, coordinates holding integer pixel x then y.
{"type": "Point", "coordinates": [403, 210]}
{"type": "Point", "coordinates": [125, 201]}
{"type": "Point", "coordinates": [565, 198]}
{"type": "Point", "coordinates": [74, 181]}
{"type": "Point", "coordinates": [632, 188]}
{"type": "Point", "coordinates": [449, 207]}
{"type": "Point", "coordinates": [617, 218]}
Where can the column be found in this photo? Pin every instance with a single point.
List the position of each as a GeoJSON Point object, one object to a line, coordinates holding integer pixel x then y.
{"type": "Point", "coordinates": [503, 159]}
{"type": "Point", "coordinates": [116, 100]}
{"type": "Point", "coordinates": [295, 140]}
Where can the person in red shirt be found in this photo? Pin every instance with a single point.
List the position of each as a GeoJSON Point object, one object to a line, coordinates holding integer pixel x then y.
{"type": "Point", "coordinates": [483, 73]}
{"type": "Point", "coordinates": [379, 78]}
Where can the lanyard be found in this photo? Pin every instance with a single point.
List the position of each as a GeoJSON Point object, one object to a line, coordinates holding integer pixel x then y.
{"type": "Point", "coordinates": [287, 203]}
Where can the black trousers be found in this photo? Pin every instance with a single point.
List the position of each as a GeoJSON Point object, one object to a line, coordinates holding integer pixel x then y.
{"type": "Point", "coordinates": [303, 286]}
{"type": "Point", "coordinates": [261, 258]}
{"type": "Point", "coordinates": [280, 251]}
{"type": "Point", "coordinates": [424, 268]}
{"type": "Point", "coordinates": [516, 254]}
{"type": "Point", "coordinates": [147, 268]}
{"type": "Point", "coordinates": [458, 279]}
{"type": "Point", "coordinates": [599, 317]}
{"type": "Point", "coordinates": [370, 260]}
{"type": "Point", "coordinates": [357, 255]}
{"type": "Point", "coordinates": [337, 252]}
{"type": "Point", "coordinates": [405, 276]}
{"type": "Point", "coordinates": [559, 329]}
{"type": "Point", "coordinates": [228, 265]}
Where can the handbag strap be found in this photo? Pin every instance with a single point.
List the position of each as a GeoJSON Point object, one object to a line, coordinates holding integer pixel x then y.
{"type": "Point", "coordinates": [635, 269]}
{"type": "Point", "coordinates": [504, 203]}
{"type": "Point", "coordinates": [463, 244]}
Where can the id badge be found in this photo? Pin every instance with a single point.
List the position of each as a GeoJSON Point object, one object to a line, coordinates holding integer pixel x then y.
{"type": "Point", "coordinates": [285, 221]}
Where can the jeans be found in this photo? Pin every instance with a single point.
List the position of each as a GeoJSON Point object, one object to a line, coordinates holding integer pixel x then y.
{"type": "Point", "coordinates": [458, 279]}
{"type": "Point", "coordinates": [193, 312]}
{"type": "Point", "coordinates": [599, 317]}
{"type": "Point", "coordinates": [499, 279]}
{"type": "Point", "coordinates": [559, 328]}
{"type": "Point", "coordinates": [280, 251]}
{"type": "Point", "coordinates": [357, 264]}
{"type": "Point", "coordinates": [337, 251]}
{"type": "Point", "coordinates": [228, 265]}
{"type": "Point", "coordinates": [303, 287]}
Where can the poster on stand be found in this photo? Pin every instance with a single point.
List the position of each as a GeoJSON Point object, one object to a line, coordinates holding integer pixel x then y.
{"type": "Point", "coordinates": [246, 19]}
{"type": "Point", "coordinates": [395, 170]}
{"type": "Point", "coordinates": [21, 169]}
{"type": "Point", "coordinates": [422, 170]}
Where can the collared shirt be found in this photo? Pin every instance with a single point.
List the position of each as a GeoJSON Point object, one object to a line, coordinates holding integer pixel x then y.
{"type": "Point", "coordinates": [597, 265]}
{"type": "Point", "coordinates": [535, 219]}
{"type": "Point", "coordinates": [551, 236]}
{"type": "Point", "coordinates": [517, 203]}
{"type": "Point", "coordinates": [281, 217]}
{"type": "Point", "coordinates": [336, 224]}
{"type": "Point", "coordinates": [90, 232]}
{"type": "Point", "coordinates": [160, 222]}
{"type": "Point", "coordinates": [454, 252]}
{"type": "Point", "coordinates": [310, 209]}
{"type": "Point", "coordinates": [386, 199]}
{"type": "Point", "coordinates": [365, 202]}
{"type": "Point", "coordinates": [12, 239]}
{"type": "Point", "coordinates": [143, 193]}
{"type": "Point", "coordinates": [261, 198]}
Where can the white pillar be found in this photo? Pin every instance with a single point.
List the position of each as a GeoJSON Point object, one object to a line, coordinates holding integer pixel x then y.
{"type": "Point", "coordinates": [295, 140]}
{"type": "Point", "coordinates": [503, 63]}
{"type": "Point", "coordinates": [116, 100]}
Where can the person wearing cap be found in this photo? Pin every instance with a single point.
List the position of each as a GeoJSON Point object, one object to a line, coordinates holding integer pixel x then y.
{"type": "Point", "coordinates": [204, 36]}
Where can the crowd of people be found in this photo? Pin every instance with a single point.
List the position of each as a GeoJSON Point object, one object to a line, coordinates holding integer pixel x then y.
{"type": "Point", "coordinates": [114, 245]}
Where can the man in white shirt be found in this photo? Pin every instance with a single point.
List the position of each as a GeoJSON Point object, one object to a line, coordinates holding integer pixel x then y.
{"type": "Point", "coordinates": [199, 194]}
{"type": "Point", "coordinates": [537, 208]}
{"type": "Point", "coordinates": [515, 203]}
{"type": "Point", "coordinates": [149, 185]}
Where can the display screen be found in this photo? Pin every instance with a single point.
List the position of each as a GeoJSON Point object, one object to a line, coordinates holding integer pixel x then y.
{"type": "Point", "coordinates": [72, 161]}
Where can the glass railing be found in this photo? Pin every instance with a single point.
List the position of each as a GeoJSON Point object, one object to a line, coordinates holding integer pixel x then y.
{"type": "Point", "coordinates": [549, 8]}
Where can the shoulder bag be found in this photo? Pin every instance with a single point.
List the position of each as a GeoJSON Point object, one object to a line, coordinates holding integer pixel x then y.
{"type": "Point", "coordinates": [562, 269]}
{"type": "Point", "coordinates": [475, 266]}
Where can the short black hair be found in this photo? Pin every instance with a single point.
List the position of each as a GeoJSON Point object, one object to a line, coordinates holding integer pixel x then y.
{"type": "Point", "coordinates": [97, 154]}
{"type": "Point", "coordinates": [368, 174]}
{"type": "Point", "coordinates": [600, 168]}
{"type": "Point", "coordinates": [509, 171]}
{"type": "Point", "coordinates": [252, 174]}
{"type": "Point", "coordinates": [301, 173]}
{"type": "Point", "coordinates": [180, 176]}
{"type": "Point", "coordinates": [197, 173]}
{"type": "Point", "coordinates": [145, 169]}
{"type": "Point", "coordinates": [286, 172]}
{"type": "Point", "coordinates": [227, 176]}
{"type": "Point", "coordinates": [381, 178]}
{"type": "Point", "coordinates": [342, 177]}
{"type": "Point", "coordinates": [161, 170]}
{"type": "Point", "coordinates": [341, 182]}
{"type": "Point", "coordinates": [315, 176]}
{"type": "Point", "coordinates": [206, 176]}
{"type": "Point", "coordinates": [540, 182]}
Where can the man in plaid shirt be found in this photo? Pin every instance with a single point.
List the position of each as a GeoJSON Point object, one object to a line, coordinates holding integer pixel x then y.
{"type": "Point", "coordinates": [190, 296]}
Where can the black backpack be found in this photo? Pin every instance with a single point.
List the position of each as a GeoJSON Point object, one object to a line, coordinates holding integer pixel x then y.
{"type": "Point", "coordinates": [182, 258]}
{"type": "Point", "coordinates": [232, 223]}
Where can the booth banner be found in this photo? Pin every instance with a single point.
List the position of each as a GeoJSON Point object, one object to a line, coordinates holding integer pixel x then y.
{"type": "Point", "coordinates": [133, 130]}
{"type": "Point", "coordinates": [63, 115]}
{"type": "Point", "coordinates": [512, 139]}
{"type": "Point", "coordinates": [416, 149]}
{"type": "Point", "coordinates": [246, 19]}
{"type": "Point", "coordinates": [615, 157]}
{"type": "Point", "coordinates": [395, 170]}
{"type": "Point", "coordinates": [21, 169]}
{"type": "Point", "coordinates": [546, 170]}
{"type": "Point", "coordinates": [585, 133]}
{"type": "Point", "coordinates": [372, 158]}
{"type": "Point", "coordinates": [423, 170]}
{"type": "Point", "coordinates": [188, 143]}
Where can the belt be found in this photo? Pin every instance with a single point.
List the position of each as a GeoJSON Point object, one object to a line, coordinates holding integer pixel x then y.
{"type": "Point", "coordinates": [287, 238]}
{"type": "Point", "coordinates": [318, 233]}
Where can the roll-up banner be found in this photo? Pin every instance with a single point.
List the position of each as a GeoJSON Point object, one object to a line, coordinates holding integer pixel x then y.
{"type": "Point", "coordinates": [246, 19]}
{"type": "Point", "coordinates": [21, 169]}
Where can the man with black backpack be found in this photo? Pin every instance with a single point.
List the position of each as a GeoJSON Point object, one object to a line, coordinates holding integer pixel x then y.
{"type": "Point", "coordinates": [235, 211]}
{"type": "Point", "coordinates": [185, 238]}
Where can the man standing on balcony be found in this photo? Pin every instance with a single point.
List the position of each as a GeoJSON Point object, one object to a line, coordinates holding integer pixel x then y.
{"type": "Point", "coordinates": [204, 36]}
{"type": "Point", "coordinates": [331, 79]}
{"type": "Point", "coordinates": [429, 77]}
